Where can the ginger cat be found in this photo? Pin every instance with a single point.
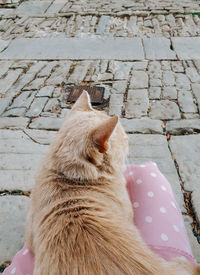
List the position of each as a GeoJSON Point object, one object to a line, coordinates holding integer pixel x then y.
{"type": "Point", "coordinates": [80, 219]}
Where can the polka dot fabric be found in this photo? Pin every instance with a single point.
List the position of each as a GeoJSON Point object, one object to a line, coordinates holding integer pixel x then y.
{"type": "Point", "coordinates": [156, 214]}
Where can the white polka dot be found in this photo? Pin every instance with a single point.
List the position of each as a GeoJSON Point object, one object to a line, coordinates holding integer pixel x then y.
{"type": "Point", "coordinates": [150, 194]}
{"type": "Point", "coordinates": [164, 237]}
{"type": "Point", "coordinates": [173, 204]}
{"type": "Point", "coordinates": [13, 270]}
{"type": "Point", "coordinates": [163, 188]}
{"type": "Point", "coordinates": [136, 204]}
{"type": "Point", "coordinates": [148, 219]}
{"type": "Point", "coordinates": [163, 210]}
{"type": "Point", "coordinates": [142, 166]}
{"type": "Point", "coordinates": [153, 175]}
{"type": "Point", "coordinates": [176, 228]}
{"type": "Point", "coordinates": [130, 173]}
{"type": "Point", "coordinates": [25, 251]}
{"type": "Point", "coordinates": [138, 181]}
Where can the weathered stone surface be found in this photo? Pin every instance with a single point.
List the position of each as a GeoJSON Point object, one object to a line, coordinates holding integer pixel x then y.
{"type": "Point", "coordinates": [12, 122]}
{"type": "Point", "coordinates": [192, 75]}
{"type": "Point", "coordinates": [119, 87]}
{"type": "Point", "coordinates": [178, 127]}
{"type": "Point", "coordinates": [52, 105]}
{"type": "Point", "coordinates": [155, 148]}
{"type": "Point", "coordinates": [102, 24]}
{"type": "Point", "coordinates": [31, 8]}
{"type": "Point", "coordinates": [182, 82]}
{"type": "Point", "coordinates": [154, 93]}
{"type": "Point", "coordinates": [79, 72]}
{"type": "Point", "coordinates": [186, 102]}
{"type": "Point", "coordinates": [46, 91]}
{"type": "Point", "coordinates": [46, 123]}
{"type": "Point", "coordinates": [74, 48]}
{"type": "Point", "coordinates": [137, 103]}
{"type": "Point", "coordinates": [37, 106]}
{"type": "Point", "coordinates": [158, 48]}
{"type": "Point", "coordinates": [24, 99]}
{"type": "Point", "coordinates": [20, 159]}
{"type": "Point", "coordinates": [196, 91]}
{"type": "Point", "coordinates": [120, 70]}
{"type": "Point", "coordinates": [186, 48]}
{"type": "Point", "coordinates": [143, 125]}
{"type": "Point", "coordinates": [115, 105]}
{"type": "Point", "coordinates": [55, 7]}
{"type": "Point", "coordinates": [12, 229]}
{"type": "Point", "coordinates": [3, 44]}
{"type": "Point", "coordinates": [168, 78]}
{"type": "Point", "coordinates": [139, 80]}
{"type": "Point", "coordinates": [7, 82]}
{"type": "Point", "coordinates": [14, 112]}
{"type": "Point", "coordinates": [164, 109]}
{"type": "Point", "coordinates": [41, 136]}
{"type": "Point", "coordinates": [186, 150]}
{"type": "Point", "coordinates": [4, 66]}
{"type": "Point", "coordinates": [169, 93]}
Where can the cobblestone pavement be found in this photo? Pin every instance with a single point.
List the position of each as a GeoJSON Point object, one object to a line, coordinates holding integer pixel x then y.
{"type": "Point", "coordinates": [146, 54]}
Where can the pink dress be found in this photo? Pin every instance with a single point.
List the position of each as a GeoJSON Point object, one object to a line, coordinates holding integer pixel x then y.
{"type": "Point", "coordinates": [156, 214]}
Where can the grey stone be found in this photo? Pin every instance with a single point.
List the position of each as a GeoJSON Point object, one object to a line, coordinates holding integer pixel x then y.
{"type": "Point", "coordinates": [119, 86]}
{"type": "Point", "coordinates": [102, 24]}
{"type": "Point", "coordinates": [35, 84]}
{"type": "Point", "coordinates": [141, 65]}
{"type": "Point", "coordinates": [192, 75]}
{"type": "Point", "coordinates": [37, 106]}
{"type": "Point", "coordinates": [154, 92]}
{"type": "Point", "coordinates": [41, 136]}
{"type": "Point", "coordinates": [186, 150]}
{"type": "Point", "coordinates": [120, 70]}
{"type": "Point", "coordinates": [186, 48]}
{"type": "Point", "coordinates": [31, 8]}
{"type": "Point", "coordinates": [196, 91]}
{"type": "Point", "coordinates": [59, 76]}
{"type": "Point", "coordinates": [169, 93]}
{"type": "Point", "coordinates": [55, 7]}
{"type": "Point", "coordinates": [177, 66]}
{"type": "Point", "coordinates": [178, 127]}
{"type": "Point", "coordinates": [24, 99]}
{"type": "Point", "coordinates": [46, 91]}
{"type": "Point", "coordinates": [12, 219]}
{"type": "Point", "coordinates": [9, 80]}
{"type": "Point", "coordinates": [115, 105]}
{"type": "Point", "coordinates": [13, 112]}
{"type": "Point", "coordinates": [36, 67]}
{"type": "Point", "coordinates": [143, 126]}
{"type": "Point", "coordinates": [196, 203]}
{"type": "Point", "coordinates": [139, 80]}
{"type": "Point", "coordinates": [52, 105]}
{"type": "Point", "coordinates": [11, 122]}
{"type": "Point", "coordinates": [158, 48]}
{"type": "Point", "coordinates": [47, 69]}
{"type": "Point", "coordinates": [64, 112]}
{"type": "Point", "coordinates": [3, 44]}
{"type": "Point", "coordinates": [197, 64]}
{"type": "Point", "coordinates": [186, 102]}
{"type": "Point", "coordinates": [168, 78]}
{"type": "Point", "coordinates": [195, 246]}
{"type": "Point", "coordinates": [147, 147]}
{"type": "Point", "coordinates": [46, 123]}
{"type": "Point", "coordinates": [74, 48]}
{"type": "Point", "coordinates": [79, 72]}
{"type": "Point", "coordinates": [166, 65]}
{"type": "Point", "coordinates": [4, 66]}
{"type": "Point", "coordinates": [165, 110]}
{"type": "Point", "coordinates": [104, 76]}
{"type": "Point", "coordinates": [155, 82]}
{"type": "Point", "coordinates": [137, 103]}
{"type": "Point", "coordinates": [182, 82]}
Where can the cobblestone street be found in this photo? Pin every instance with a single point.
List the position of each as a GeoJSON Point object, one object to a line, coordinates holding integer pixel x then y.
{"type": "Point", "coordinates": [146, 54]}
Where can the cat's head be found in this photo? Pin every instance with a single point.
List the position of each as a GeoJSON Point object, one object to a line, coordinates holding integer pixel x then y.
{"type": "Point", "coordinates": [90, 141]}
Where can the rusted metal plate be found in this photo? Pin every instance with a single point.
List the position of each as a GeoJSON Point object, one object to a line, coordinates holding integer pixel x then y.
{"type": "Point", "coordinates": [96, 94]}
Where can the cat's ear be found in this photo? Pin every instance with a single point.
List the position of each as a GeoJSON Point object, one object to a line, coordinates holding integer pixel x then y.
{"type": "Point", "coordinates": [83, 103]}
{"type": "Point", "coordinates": [103, 132]}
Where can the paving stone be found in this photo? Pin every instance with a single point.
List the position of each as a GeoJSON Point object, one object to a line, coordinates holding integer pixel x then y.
{"type": "Point", "coordinates": [169, 92]}
{"type": "Point", "coordinates": [155, 82]}
{"type": "Point", "coordinates": [13, 112]}
{"type": "Point", "coordinates": [186, 48]}
{"type": "Point", "coordinates": [115, 105]}
{"type": "Point", "coordinates": [4, 66]}
{"type": "Point", "coordinates": [55, 7]}
{"type": "Point", "coordinates": [47, 69]}
{"type": "Point", "coordinates": [74, 48]}
{"type": "Point", "coordinates": [192, 75]}
{"type": "Point", "coordinates": [155, 148]}
{"type": "Point", "coordinates": [196, 204]}
{"type": "Point", "coordinates": [64, 112]}
{"type": "Point", "coordinates": [11, 122]}
{"type": "Point", "coordinates": [31, 8]}
{"type": "Point", "coordinates": [158, 48]}
{"type": "Point", "coordinates": [182, 82]}
{"type": "Point", "coordinates": [37, 106]}
{"type": "Point", "coordinates": [3, 44]}
{"type": "Point", "coordinates": [186, 102]}
{"type": "Point", "coordinates": [142, 65]}
{"type": "Point", "coordinates": [20, 159]}
{"type": "Point", "coordinates": [41, 136]}
{"type": "Point", "coordinates": [196, 91]}
{"type": "Point", "coordinates": [24, 99]}
{"type": "Point", "coordinates": [35, 84]}
{"type": "Point", "coordinates": [12, 219]}
{"type": "Point", "coordinates": [139, 80]}
{"type": "Point", "coordinates": [105, 76]}
{"type": "Point", "coordinates": [177, 66]}
{"type": "Point", "coordinates": [46, 91]}
{"type": "Point", "coordinates": [79, 72]}
{"type": "Point", "coordinates": [119, 87]}
{"type": "Point", "coordinates": [59, 76]}
{"type": "Point", "coordinates": [46, 123]}
{"type": "Point", "coordinates": [178, 127]}
{"type": "Point", "coordinates": [166, 65]}
{"type": "Point", "coordinates": [168, 78]}
{"type": "Point", "coordinates": [142, 125]}
{"type": "Point", "coordinates": [9, 79]}
{"type": "Point", "coordinates": [102, 24]}
{"type": "Point", "coordinates": [120, 70]}
{"type": "Point", "coordinates": [52, 105]}
{"type": "Point", "coordinates": [186, 150]}
{"type": "Point", "coordinates": [165, 110]}
{"type": "Point", "coordinates": [154, 93]}
{"type": "Point", "coordinates": [137, 103]}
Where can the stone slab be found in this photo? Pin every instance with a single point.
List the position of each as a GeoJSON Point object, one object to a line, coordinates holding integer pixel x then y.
{"type": "Point", "coordinates": [144, 126]}
{"type": "Point", "coordinates": [30, 8]}
{"type": "Point", "coordinates": [3, 44]}
{"type": "Point", "coordinates": [186, 47]}
{"type": "Point", "coordinates": [12, 229]}
{"type": "Point", "coordinates": [75, 48]}
{"type": "Point", "coordinates": [13, 122]}
{"type": "Point", "coordinates": [147, 147]}
{"type": "Point", "coordinates": [158, 48]}
{"type": "Point", "coordinates": [178, 127]}
{"type": "Point", "coordinates": [186, 151]}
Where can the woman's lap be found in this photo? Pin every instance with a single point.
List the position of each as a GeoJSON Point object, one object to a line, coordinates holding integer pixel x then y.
{"type": "Point", "coordinates": [156, 214]}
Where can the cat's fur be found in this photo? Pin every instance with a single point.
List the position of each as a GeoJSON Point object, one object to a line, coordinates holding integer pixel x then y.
{"type": "Point", "coordinates": [80, 219]}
